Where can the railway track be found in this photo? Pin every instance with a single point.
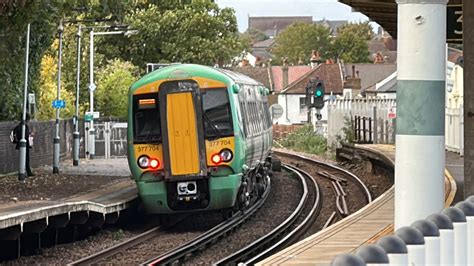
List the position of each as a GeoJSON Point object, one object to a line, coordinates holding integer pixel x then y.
{"type": "Point", "coordinates": [287, 232]}
{"type": "Point", "coordinates": [180, 252]}
{"type": "Point", "coordinates": [341, 188]}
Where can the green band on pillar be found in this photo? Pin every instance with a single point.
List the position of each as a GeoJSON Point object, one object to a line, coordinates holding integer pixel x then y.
{"type": "Point", "coordinates": [420, 107]}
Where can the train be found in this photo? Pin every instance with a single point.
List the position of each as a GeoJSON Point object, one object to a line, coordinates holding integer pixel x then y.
{"type": "Point", "coordinates": [199, 139]}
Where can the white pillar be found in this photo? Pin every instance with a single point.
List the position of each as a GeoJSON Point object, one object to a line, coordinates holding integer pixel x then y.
{"type": "Point", "coordinates": [421, 67]}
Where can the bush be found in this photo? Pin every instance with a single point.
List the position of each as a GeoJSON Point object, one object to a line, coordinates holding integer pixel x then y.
{"type": "Point", "coordinates": [305, 140]}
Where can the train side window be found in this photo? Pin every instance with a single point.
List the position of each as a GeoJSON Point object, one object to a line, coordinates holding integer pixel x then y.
{"type": "Point", "coordinates": [146, 118]}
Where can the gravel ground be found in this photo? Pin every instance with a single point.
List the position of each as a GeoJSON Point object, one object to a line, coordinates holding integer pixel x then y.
{"type": "Point", "coordinates": [283, 199]}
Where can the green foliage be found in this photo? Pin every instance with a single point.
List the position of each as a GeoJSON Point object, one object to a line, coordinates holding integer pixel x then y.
{"type": "Point", "coordinates": [113, 82]}
{"type": "Point", "coordinates": [48, 93]}
{"type": "Point", "coordinates": [305, 140]}
{"type": "Point", "coordinates": [362, 29]}
{"type": "Point", "coordinates": [348, 132]}
{"type": "Point", "coordinates": [351, 45]}
{"type": "Point", "coordinates": [199, 32]}
{"type": "Point", "coordinates": [254, 35]}
{"type": "Point", "coordinates": [299, 39]}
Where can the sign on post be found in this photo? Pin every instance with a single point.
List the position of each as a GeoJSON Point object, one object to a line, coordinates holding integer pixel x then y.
{"type": "Point", "coordinates": [59, 104]}
{"type": "Point", "coordinates": [89, 116]}
{"type": "Point", "coordinates": [276, 110]}
{"type": "Point", "coordinates": [454, 24]}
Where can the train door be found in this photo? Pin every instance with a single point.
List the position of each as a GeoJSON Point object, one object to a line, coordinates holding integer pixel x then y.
{"type": "Point", "coordinates": [183, 141]}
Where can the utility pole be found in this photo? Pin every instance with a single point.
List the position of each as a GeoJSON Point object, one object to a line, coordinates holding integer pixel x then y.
{"type": "Point", "coordinates": [57, 147]}
{"type": "Point", "coordinates": [92, 87]}
{"type": "Point", "coordinates": [421, 78]}
{"type": "Point", "coordinates": [76, 135]}
{"type": "Point", "coordinates": [23, 146]}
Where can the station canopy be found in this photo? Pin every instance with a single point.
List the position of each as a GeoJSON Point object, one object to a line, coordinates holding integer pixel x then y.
{"type": "Point", "coordinates": [383, 12]}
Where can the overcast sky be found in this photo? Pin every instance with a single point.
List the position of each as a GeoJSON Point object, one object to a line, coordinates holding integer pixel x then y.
{"type": "Point", "coordinates": [319, 9]}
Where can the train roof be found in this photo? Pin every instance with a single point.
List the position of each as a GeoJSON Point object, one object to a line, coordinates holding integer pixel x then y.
{"type": "Point", "coordinates": [176, 71]}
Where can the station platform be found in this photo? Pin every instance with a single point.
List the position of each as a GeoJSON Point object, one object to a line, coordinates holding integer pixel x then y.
{"type": "Point", "coordinates": [95, 192]}
{"type": "Point", "coordinates": [365, 226]}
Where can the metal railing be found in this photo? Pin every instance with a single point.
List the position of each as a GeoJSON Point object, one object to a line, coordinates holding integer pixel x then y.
{"type": "Point", "coordinates": [445, 238]}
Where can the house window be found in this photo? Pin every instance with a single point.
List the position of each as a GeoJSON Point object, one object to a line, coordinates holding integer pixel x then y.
{"type": "Point", "coordinates": [303, 107]}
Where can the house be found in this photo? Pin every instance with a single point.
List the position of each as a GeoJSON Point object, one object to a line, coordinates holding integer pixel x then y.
{"type": "Point", "coordinates": [293, 97]}
{"type": "Point", "coordinates": [369, 74]}
{"type": "Point", "coordinates": [271, 26]}
{"type": "Point", "coordinates": [331, 25]}
{"type": "Point", "coordinates": [262, 50]}
{"type": "Point", "coordinates": [387, 88]}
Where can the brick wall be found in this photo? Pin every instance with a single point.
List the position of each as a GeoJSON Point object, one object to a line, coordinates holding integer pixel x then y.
{"type": "Point", "coordinates": [42, 151]}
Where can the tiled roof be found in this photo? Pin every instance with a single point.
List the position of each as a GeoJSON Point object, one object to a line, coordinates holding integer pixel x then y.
{"type": "Point", "coordinates": [329, 73]}
{"type": "Point", "coordinates": [370, 74]}
{"type": "Point", "coordinates": [276, 23]}
{"type": "Point", "coordinates": [264, 44]}
{"type": "Point", "coordinates": [294, 73]}
{"type": "Point", "coordinates": [260, 74]}
{"type": "Point", "coordinates": [454, 54]}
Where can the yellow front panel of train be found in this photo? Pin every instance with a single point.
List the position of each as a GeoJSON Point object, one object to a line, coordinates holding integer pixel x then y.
{"type": "Point", "coordinates": [182, 132]}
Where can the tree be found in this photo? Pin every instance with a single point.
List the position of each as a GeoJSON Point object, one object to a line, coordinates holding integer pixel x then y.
{"type": "Point", "coordinates": [199, 32]}
{"type": "Point", "coordinates": [298, 40]}
{"type": "Point", "coordinates": [361, 29]}
{"type": "Point", "coordinates": [350, 47]}
{"type": "Point", "coordinates": [254, 35]}
{"type": "Point", "coordinates": [48, 92]}
{"type": "Point", "coordinates": [113, 82]}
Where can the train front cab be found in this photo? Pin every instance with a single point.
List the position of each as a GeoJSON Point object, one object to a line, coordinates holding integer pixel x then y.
{"type": "Point", "coordinates": [184, 146]}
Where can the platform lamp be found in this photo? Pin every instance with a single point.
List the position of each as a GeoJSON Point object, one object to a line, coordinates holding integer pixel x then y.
{"type": "Point", "coordinates": [92, 86]}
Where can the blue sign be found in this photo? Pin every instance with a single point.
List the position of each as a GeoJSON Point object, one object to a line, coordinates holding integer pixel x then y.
{"type": "Point", "coordinates": [59, 104]}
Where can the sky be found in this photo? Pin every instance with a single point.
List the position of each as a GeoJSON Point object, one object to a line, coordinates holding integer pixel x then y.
{"type": "Point", "coordinates": [319, 9]}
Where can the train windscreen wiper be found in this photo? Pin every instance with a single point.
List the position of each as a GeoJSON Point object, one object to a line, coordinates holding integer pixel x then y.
{"type": "Point", "coordinates": [216, 131]}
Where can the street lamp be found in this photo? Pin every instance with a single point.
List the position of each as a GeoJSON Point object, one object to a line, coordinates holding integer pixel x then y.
{"type": "Point", "coordinates": [91, 133]}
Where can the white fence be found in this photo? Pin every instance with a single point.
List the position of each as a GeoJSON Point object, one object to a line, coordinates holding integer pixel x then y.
{"type": "Point", "coordinates": [455, 130]}
{"type": "Point", "coordinates": [341, 113]}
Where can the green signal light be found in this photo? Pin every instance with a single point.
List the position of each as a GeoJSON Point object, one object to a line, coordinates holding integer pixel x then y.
{"type": "Point", "coordinates": [319, 93]}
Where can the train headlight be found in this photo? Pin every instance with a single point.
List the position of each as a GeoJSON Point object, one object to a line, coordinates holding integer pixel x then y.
{"type": "Point", "coordinates": [144, 161]}
{"type": "Point", "coordinates": [226, 155]}
{"type": "Point", "coordinates": [154, 163]}
{"type": "Point", "coordinates": [216, 158]}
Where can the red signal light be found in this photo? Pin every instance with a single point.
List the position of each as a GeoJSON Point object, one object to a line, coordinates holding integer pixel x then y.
{"type": "Point", "coordinates": [216, 158]}
{"type": "Point", "coordinates": [154, 163]}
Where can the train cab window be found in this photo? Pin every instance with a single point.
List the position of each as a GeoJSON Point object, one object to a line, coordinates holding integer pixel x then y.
{"type": "Point", "coordinates": [216, 113]}
{"type": "Point", "coordinates": [146, 118]}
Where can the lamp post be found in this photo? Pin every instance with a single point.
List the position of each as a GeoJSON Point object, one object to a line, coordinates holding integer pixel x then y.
{"type": "Point", "coordinates": [76, 135]}
{"type": "Point", "coordinates": [22, 167]}
{"type": "Point", "coordinates": [91, 132]}
{"type": "Point", "coordinates": [56, 140]}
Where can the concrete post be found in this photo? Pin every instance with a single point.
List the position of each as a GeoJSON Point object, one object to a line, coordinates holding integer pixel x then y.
{"type": "Point", "coordinates": [373, 255]}
{"type": "Point", "coordinates": [420, 155]}
{"type": "Point", "coordinates": [415, 242]}
{"type": "Point", "coordinates": [432, 242]}
{"type": "Point", "coordinates": [395, 248]}
{"type": "Point", "coordinates": [468, 209]}
{"type": "Point", "coordinates": [460, 234]}
{"type": "Point", "coordinates": [446, 234]}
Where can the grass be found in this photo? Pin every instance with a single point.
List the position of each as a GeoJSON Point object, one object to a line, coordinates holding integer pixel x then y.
{"type": "Point", "coordinates": [305, 140]}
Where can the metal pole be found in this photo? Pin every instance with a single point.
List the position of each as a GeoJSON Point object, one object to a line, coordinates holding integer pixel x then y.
{"type": "Point", "coordinates": [420, 154]}
{"type": "Point", "coordinates": [23, 146]}
{"type": "Point", "coordinates": [468, 111]}
{"type": "Point", "coordinates": [76, 136]}
{"type": "Point", "coordinates": [91, 142]}
{"type": "Point", "coordinates": [56, 130]}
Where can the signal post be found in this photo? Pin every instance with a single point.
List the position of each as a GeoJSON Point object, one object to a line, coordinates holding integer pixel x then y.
{"type": "Point", "coordinates": [315, 99]}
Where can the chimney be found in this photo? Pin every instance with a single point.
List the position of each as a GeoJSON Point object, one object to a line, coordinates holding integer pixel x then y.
{"type": "Point", "coordinates": [353, 71]}
{"type": "Point", "coordinates": [284, 69]}
{"type": "Point", "coordinates": [353, 82]}
{"type": "Point", "coordinates": [315, 59]}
